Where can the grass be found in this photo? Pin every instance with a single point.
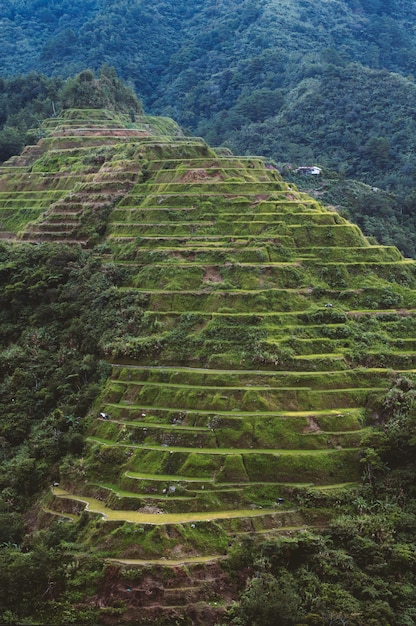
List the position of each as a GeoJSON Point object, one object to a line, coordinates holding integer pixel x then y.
{"type": "Point", "coordinates": [219, 451]}
{"type": "Point", "coordinates": [291, 319]}
{"type": "Point", "coordinates": [156, 519]}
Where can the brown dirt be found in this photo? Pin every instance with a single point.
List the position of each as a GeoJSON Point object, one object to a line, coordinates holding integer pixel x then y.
{"type": "Point", "coordinates": [260, 198]}
{"type": "Point", "coordinates": [212, 275]}
{"type": "Point", "coordinates": [312, 427]}
{"type": "Point", "coordinates": [200, 175]}
{"type": "Point", "coordinates": [158, 592]}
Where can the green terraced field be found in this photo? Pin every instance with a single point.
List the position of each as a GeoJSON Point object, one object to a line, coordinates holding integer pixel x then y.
{"type": "Point", "coordinates": [267, 330]}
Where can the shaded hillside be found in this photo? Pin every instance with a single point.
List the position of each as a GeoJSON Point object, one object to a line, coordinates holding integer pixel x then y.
{"type": "Point", "coordinates": [356, 121]}
{"type": "Point", "coordinates": [64, 37]}
{"type": "Point", "coordinates": [250, 336]}
{"type": "Point", "coordinates": [329, 82]}
{"type": "Point", "coordinates": [25, 101]}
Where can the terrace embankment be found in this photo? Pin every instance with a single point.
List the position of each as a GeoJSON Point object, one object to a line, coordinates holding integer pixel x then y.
{"type": "Point", "coordinates": [268, 330]}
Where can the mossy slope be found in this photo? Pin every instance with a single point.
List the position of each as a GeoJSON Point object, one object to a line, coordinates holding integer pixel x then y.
{"type": "Point", "coordinates": [269, 327]}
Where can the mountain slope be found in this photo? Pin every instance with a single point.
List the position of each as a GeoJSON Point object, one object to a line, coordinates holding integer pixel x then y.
{"type": "Point", "coordinates": [254, 333]}
{"type": "Point", "coordinates": [58, 36]}
{"type": "Point", "coordinates": [328, 83]}
{"type": "Point", "coordinates": [338, 117]}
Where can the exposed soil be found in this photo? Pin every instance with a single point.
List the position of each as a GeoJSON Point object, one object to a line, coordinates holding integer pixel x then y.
{"type": "Point", "coordinates": [198, 594]}
{"type": "Point", "coordinates": [312, 427]}
{"type": "Point", "coordinates": [212, 275]}
{"type": "Point", "coordinates": [260, 198]}
{"type": "Point", "coordinates": [200, 175]}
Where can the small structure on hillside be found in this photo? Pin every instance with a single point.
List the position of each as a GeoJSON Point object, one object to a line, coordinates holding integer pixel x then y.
{"type": "Point", "coordinates": [312, 170]}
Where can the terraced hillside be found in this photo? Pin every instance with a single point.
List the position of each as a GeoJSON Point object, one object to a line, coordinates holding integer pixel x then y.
{"type": "Point", "coordinates": [65, 186]}
{"type": "Point", "coordinates": [268, 329]}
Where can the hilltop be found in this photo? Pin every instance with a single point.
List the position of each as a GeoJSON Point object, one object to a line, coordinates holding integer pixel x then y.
{"type": "Point", "coordinates": [194, 353]}
{"type": "Point", "coordinates": [328, 83]}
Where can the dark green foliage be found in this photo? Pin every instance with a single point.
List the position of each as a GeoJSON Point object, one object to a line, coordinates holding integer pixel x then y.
{"type": "Point", "coordinates": [11, 142]}
{"type": "Point", "coordinates": [353, 574]}
{"type": "Point", "coordinates": [25, 101]}
{"type": "Point", "coordinates": [64, 308]}
{"type": "Point", "coordinates": [399, 428]}
{"type": "Point", "coordinates": [33, 582]}
{"type": "Point", "coordinates": [105, 92]}
{"type": "Point", "coordinates": [11, 524]}
{"type": "Point", "coordinates": [362, 570]}
{"type": "Point", "coordinates": [301, 83]}
{"type": "Point", "coordinates": [269, 600]}
{"type": "Point", "coordinates": [57, 312]}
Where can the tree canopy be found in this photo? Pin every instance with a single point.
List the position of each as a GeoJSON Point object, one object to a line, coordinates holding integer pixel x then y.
{"type": "Point", "coordinates": [26, 100]}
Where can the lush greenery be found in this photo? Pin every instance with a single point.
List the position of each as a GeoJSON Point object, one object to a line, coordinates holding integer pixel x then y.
{"type": "Point", "coordinates": [25, 101]}
{"type": "Point", "coordinates": [52, 325]}
{"type": "Point", "coordinates": [57, 307]}
{"type": "Point", "coordinates": [361, 572]}
{"type": "Point", "coordinates": [383, 215]}
{"type": "Point", "coordinates": [296, 81]}
{"type": "Point", "coordinates": [155, 297]}
{"type": "Point", "coordinates": [330, 83]}
{"type": "Point", "coordinates": [218, 67]}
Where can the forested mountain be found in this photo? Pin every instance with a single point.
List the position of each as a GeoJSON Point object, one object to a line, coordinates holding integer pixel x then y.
{"type": "Point", "coordinates": [27, 100]}
{"type": "Point", "coordinates": [219, 366]}
{"type": "Point", "coordinates": [218, 43]}
{"type": "Point", "coordinates": [300, 82]}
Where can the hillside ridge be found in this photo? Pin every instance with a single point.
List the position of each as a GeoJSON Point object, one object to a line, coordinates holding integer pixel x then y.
{"type": "Point", "coordinates": [266, 329]}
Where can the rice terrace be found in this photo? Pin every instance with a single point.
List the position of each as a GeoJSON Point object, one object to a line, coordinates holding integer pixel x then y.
{"type": "Point", "coordinates": [261, 333]}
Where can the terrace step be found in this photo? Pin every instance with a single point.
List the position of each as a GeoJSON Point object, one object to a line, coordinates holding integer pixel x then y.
{"type": "Point", "coordinates": [129, 374]}
{"type": "Point", "coordinates": [154, 517]}
{"type": "Point", "coordinates": [301, 434]}
{"type": "Point", "coordinates": [292, 320]}
{"type": "Point", "coordinates": [170, 590]}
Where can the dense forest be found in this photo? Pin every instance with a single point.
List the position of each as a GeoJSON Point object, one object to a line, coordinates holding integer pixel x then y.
{"type": "Point", "coordinates": [25, 101]}
{"type": "Point", "coordinates": [50, 371]}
